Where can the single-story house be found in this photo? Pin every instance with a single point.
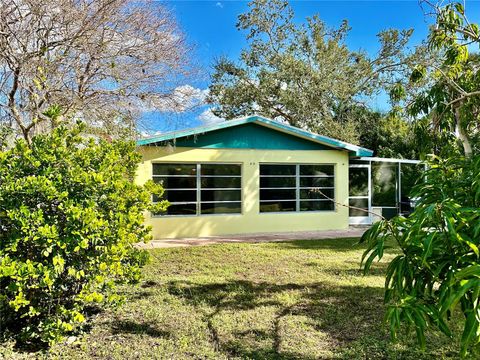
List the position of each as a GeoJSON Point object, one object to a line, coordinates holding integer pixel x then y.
{"type": "Point", "coordinates": [253, 175]}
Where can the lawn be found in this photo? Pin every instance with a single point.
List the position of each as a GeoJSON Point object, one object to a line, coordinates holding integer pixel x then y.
{"type": "Point", "coordinates": [287, 300]}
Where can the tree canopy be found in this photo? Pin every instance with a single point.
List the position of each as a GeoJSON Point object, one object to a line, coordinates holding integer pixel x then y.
{"type": "Point", "coordinates": [96, 61]}
{"type": "Point", "coordinates": [437, 271]}
{"type": "Point", "coordinates": [304, 74]}
{"type": "Point", "coordinates": [445, 91]}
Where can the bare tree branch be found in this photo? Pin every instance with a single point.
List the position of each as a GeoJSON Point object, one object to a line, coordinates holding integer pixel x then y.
{"type": "Point", "coordinates": [101, 61]}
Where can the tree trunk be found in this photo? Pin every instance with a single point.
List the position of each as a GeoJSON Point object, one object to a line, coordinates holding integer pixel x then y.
{"type": "Point", "coordinates": [462, 135]}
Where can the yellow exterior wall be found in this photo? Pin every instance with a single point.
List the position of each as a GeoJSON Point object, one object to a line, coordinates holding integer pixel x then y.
{"type": "Point", "coordinates": [251, 220]}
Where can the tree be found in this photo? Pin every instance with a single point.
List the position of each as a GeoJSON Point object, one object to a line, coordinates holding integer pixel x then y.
{"type": "Point", "coordinates": [438, 265]}
{"type": "Point", "coordinates": [304, 74]}
{"type": "Point", "coordinates": [97, 61]}
{"type": "Point", "coordinates": [446, 90]}
{"type": "Point", "coordinates": [70, 216]}
{"type": "Point", "coordinates": [437, 272]}
{"type": "Point", "coordinates": [387, 135]}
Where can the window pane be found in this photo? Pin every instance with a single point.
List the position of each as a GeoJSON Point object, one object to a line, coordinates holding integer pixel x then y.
{"type": "Point", "coordinates": [180, 195]}
{"type": "Point", "coordinates": [317, 182]}
{"type": "Point", "coordinates": [220, 169]}
{"type": "Point", "coordinates": [278, 206]}
{"type": "Point", "coordinates": [272, 182]}
{"type": "Point", "coordinates": [174, 169]}
{"type": "Point", "coordinates": [181, 209]}
{"type": "Point", "coordinates": [229, 182]}
{"type": "Point", "coordinates": [319, 170]}
{"type": "Point", "coordinates": [177, 182]}
{"type": "Point", "coordinates": [317, 206]}
{"type": "Point", "coordinates": [317, 193]}
{"type": "Point", "coordinates": [221, 208]}
{"type": "Point", "coordinates": [277, 194]}
{"type": "Point", "coordinates": [277, 169]}
{"type": "Point", "coordinates": [221, 195]}
{"type": "Point", "coordinates": [361, 204]}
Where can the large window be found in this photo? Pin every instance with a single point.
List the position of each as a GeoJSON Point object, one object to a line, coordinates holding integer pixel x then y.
{"type": "Point", "coordinates": [194, 189]}
{"type": "Point", "coordinates": [296, 188]}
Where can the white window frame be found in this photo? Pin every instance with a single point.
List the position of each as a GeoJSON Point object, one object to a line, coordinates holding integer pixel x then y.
{"type": "Point", "coordinates": [298, 188]}
{"type": "Point", "coordinates": [198, 176]}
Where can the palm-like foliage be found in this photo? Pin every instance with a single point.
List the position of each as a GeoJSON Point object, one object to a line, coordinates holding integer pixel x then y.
{"type": "Point", "coordinates": [438, 269]}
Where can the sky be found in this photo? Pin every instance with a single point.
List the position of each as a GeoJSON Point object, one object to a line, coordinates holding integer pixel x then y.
{"type": "Point", "coordinates": [209, 26]}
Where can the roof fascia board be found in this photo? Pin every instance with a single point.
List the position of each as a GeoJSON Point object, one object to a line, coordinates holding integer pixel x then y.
{"type": "Point", "coordinates": [390, 160]}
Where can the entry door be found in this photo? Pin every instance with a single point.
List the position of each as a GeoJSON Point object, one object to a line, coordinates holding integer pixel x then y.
{"type": "Point", "coordinates": [359, 194]}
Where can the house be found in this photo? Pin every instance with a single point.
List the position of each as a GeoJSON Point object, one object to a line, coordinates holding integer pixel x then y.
{"type": "Point", "coordinates": [249, 175]}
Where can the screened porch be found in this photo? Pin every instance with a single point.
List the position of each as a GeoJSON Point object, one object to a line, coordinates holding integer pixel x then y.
{"type": "Point", "coordinates": [381, 187]}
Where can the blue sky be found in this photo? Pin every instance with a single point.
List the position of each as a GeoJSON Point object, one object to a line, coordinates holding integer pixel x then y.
{"type": "Point", "coordinates": [210, 27]}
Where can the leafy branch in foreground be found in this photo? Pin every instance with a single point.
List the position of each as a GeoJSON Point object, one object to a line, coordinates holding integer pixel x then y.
{"type": "Point", "coordinates": [70, 215]}
{"type": "Point", "coordinates": [439, 264]}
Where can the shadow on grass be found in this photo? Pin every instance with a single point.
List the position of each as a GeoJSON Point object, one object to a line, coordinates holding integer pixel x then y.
{"type": "Point", "coordinates": [11, 331]}
{"type": "Point", "coordinates": [342, 312]}
{"type": "Point", "coordinates": [339, 244]}
{"type": "Point", "coordinates": [265, 353]}
{"type": "Point", "coordinates": [343, 244]}
{"type": "Point", "coordinates": [139, 328]}
{"type": "Point", "coordinates": [148, 284]}
{"type": "Point", "coordinates": [24, 347]}
{"type": "Point", "coordinates": [377, 269]}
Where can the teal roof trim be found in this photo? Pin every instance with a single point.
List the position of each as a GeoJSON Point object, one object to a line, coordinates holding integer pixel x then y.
{"type": "Point", "coordinates": [246, 136]}
{"type": "Point", "coordinates": [275, 125]}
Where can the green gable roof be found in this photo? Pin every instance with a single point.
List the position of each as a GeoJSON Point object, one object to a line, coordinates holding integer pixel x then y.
{"type": "Point", "coordinates": [253, 132]}
{"type": "Point", "coordinates": [245, 136]}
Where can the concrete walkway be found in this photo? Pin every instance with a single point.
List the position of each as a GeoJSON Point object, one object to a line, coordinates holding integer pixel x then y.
{"type": "Point", "coordinates": [255, 238]}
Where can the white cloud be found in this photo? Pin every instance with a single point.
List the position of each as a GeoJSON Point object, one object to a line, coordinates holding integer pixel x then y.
{"type": "Point", "coordinates": [184, 98]}
{"type": "Point", "coordinates": [208, 118]}
{"type": "Point", "coordinates": [219, 4]}
{"type": "Point", "coordinates": [145, 133]}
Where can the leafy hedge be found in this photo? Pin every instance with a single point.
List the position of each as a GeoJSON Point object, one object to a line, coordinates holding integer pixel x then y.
{"type": "Point", "coordinates": [70, 215]}
{"type": "Point", "coordinates": [438, 270]}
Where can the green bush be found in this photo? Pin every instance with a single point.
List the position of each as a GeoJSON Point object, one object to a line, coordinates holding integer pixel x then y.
{"type": "Point", "coordinates": [70, 215]}
{"type": "Point", "coordinates": [439, 264]}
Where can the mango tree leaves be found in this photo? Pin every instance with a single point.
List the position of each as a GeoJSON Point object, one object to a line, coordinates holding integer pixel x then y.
{"type": "Point", "coordinates": [438, 270]}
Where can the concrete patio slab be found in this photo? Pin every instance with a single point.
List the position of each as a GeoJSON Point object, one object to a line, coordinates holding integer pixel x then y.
{"type": "Point", "coordinates": [255, 238]}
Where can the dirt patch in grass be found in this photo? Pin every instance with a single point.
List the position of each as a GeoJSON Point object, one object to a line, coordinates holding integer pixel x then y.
{"type": "Point", "coordinates": [289, 300]}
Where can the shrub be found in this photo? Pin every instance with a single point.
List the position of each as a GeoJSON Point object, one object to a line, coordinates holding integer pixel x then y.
{"type": "Point", "coordinates": [439, 264]}
{"type": "Point", "coordinates": [70, 215]}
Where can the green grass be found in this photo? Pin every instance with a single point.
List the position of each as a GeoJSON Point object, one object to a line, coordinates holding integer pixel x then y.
{"type": "Point", "coordinates": [286, 300]}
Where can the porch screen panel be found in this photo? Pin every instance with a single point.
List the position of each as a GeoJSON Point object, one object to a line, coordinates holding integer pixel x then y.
{"type": "Point", "coordinates": [410, 175]}
{"type": "Point", "coordinates": [286, 187]}
{"type": "Point", "coordinates": [358, 191]}
{"type": "Point", "coordinates": [385, 180]}
{"type": "Point", "coordinates": [194, 189]}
